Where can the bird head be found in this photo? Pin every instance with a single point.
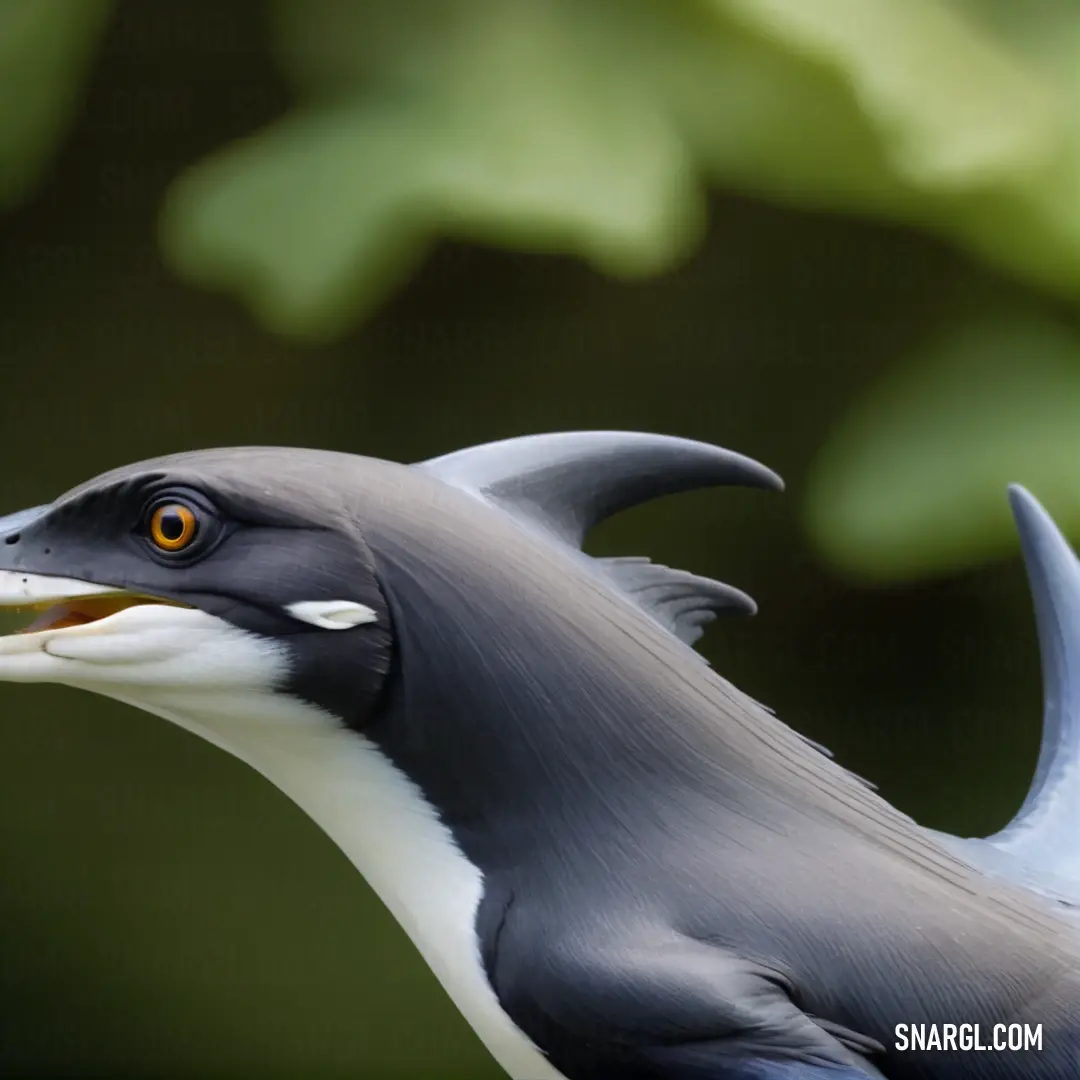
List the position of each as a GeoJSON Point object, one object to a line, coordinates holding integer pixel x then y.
{"type": "Point", "coordinates": [198, 584]}
{"type": "Point", "coordinates": [215, 586]}
{"type": "Point", "coordinates": [247, 591]}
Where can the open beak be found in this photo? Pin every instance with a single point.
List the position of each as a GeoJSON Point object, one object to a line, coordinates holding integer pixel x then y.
{"type": "Point", "coordinates": [60, 603]}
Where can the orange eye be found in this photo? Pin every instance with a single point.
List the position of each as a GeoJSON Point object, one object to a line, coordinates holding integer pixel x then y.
{"type": "Point", "coordinates": [173, 526]}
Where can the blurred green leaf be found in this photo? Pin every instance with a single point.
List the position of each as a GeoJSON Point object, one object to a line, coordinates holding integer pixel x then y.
{"type": "Point", "coordinates": [952, 109]}
{"type": "Point", "coordinates": [1045, 33]}
{"type": "Point", "coordinates": [961, 125]}
{"type": "Point", "coordinates": [587, 128]}
{"type": "Point", "coordinates": [45, 50]}
{"type": "Point", "coordinates": [518, 135]}
{"type": "Point", "coordinates": [756, 117]}
{"type": "Point", "coordinates": [913, 482]}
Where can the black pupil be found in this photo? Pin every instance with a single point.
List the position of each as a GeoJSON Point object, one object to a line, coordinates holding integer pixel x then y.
{"type": "Point", "coordinates": [171, 524]}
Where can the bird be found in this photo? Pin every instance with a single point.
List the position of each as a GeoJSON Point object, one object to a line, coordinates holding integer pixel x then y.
{"type": "Point", "coordinates": [618, 865]}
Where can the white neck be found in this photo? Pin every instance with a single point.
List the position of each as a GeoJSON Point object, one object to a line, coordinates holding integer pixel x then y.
{"type": "Point", "coordinates": [384, 825]}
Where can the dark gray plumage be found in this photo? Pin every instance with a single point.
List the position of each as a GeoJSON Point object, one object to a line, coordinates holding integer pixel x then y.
{"type": "Point", "coordinates": [682, 603]}
{"type": "Point", "coordinates": [668, 881]}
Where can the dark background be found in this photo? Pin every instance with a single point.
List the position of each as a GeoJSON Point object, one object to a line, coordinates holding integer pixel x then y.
{"type": "Point", "coordinates": [164, 911]}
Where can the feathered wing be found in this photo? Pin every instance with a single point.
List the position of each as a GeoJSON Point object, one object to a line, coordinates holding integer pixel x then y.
{"type": "Point", "coordinates": [670, 1008]}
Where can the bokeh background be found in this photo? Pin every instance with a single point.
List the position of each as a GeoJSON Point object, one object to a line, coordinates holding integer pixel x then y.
{"type": "Point", "coordinates": [841, 237]}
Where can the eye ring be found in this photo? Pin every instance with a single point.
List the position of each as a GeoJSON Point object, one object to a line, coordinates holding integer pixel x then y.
{"type": "Point", "coordinates": [173, 527]}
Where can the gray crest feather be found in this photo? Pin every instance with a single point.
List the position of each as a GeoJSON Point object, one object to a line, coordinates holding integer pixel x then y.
{"type": "Point", "coordinates": [567, 482]}
{"type": "Point", "coordinates": [682, 602]}
{"type": "Point", "coordinates": [1040, 847]}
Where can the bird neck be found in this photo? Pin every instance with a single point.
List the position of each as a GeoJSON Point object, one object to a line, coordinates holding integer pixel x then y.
{"type": "Point", "coordinates": [544, 711]}
{"type": "Point", "coordinates": [385, 827]}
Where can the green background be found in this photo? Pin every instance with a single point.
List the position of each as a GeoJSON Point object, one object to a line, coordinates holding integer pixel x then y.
{"type": "Point", "coordinates": [164, 911]}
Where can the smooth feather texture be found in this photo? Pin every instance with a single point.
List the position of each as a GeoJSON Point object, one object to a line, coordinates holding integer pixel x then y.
{"type": "Point", "coordinates": [674, 884]}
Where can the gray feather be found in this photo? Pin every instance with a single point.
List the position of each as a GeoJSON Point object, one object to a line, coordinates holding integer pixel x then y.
{"type": "Point", "coordinates": [567, 482]}
{"type": "Point", "coordinates": [684, 604]}
{"type": "Point", "coordinates": [570, 481]}
{"type": "Point", "coordinates": [680, 601]}
{"type": "Point", "coordinates": [1040, 847]}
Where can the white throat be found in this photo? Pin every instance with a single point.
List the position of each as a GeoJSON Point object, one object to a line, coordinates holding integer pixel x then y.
{"type": "Point", "coordinates": [220, 682]}
{"type": "Point", "coordinates": [392, 835]}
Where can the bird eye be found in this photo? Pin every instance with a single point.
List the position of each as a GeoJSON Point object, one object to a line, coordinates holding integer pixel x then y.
{"type": "Point", "coordinates": [173, 526]}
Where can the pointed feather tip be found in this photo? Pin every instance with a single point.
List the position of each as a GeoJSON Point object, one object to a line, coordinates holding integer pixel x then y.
{"type": "Point", "coordinates": [1042, 543]}
{"type": "Point", "coordinates": [726, 599]}
{"type": "Point", "coordinates": [680, 601]}
{"type": "Point", "coordinates": [490, 464]}
{"type": "Point", "coordinates": [1038, 848]}
{"type": "Point", "coordinates": [751, 473]}
{"type": "Point", "coordinates": [740, 603]}
{"type": "Point", "coordinates": [1025, 507]}
{"type": "Point", "coordinates": [568, 482]}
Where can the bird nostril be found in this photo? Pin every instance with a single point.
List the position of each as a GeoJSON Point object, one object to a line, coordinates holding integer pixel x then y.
{"type": "Point", "coordinates": [12, 539]}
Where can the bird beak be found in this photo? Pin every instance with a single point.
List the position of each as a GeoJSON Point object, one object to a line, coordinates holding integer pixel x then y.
{"type": "Point", "coordinates": [55, 603]}
{"type": "Point", "coordinates": [59, 603]}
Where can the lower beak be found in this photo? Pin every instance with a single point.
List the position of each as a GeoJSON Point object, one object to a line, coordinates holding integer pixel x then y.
{"type": "Point", "coordinates": [60, 602]}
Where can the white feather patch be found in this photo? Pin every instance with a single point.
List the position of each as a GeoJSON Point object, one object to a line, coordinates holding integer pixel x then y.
{"type": "Point", "coordinates": [331, 614]}
{"type": "Point", "coordinates": [220, 682]}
